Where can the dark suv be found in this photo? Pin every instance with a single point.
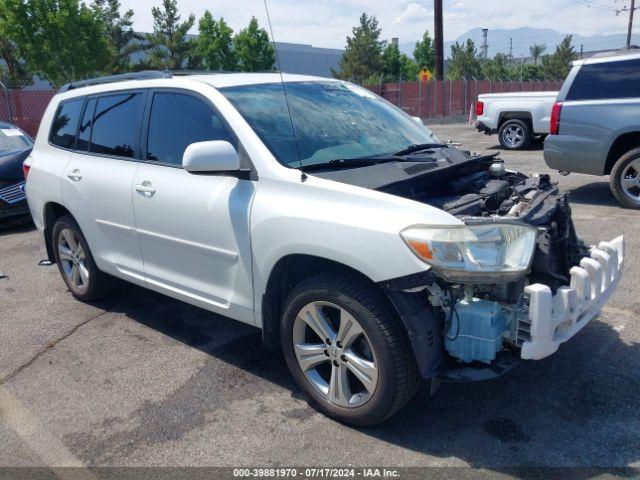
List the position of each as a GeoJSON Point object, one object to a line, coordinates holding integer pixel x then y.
{"type": "Point", "coordinates": [595, 123]}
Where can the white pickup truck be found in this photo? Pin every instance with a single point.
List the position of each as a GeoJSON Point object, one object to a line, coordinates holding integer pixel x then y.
{"type": "Point", "coordinates": [516, 117]}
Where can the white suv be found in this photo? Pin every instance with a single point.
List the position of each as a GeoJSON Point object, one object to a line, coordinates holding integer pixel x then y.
{"type": "Point", "coordinates": [374, 255]}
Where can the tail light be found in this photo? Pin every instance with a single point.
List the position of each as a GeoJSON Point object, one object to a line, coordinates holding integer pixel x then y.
{"type": "Point", "coordinates": [479, 108]}
{"type": "Point", "coordinates": [25, 170]}
{"type": "Point", "coordinates": [554, 127]}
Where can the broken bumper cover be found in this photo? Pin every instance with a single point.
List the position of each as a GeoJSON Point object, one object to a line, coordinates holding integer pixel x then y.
{"type": "Point", "coordinates": [554, 319]}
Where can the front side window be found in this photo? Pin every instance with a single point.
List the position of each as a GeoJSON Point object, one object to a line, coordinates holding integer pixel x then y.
{"type": "Point", "coordinates": [599, 81]}
{"type": "Point", "coordinates": [115, 124]}
{"type": "Point", "coordinates": [331, 120]}
{"type": "Point", "coordinates": [176, 121]}
{"type": "Point", "coordinates": [65, 123]}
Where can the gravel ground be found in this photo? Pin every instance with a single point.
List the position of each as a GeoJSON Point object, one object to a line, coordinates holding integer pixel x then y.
{"type": "Point", "coordinates": [143, 380]}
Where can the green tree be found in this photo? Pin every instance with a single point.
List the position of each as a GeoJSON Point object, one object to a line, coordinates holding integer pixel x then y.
{"type": "Point", "coordinates": [13, 73]}
{"type": "Point", "coordinates": [123, 41]}
{"type": "Point", "coordinates": [537, 51]}
{"type": "Point", "coordinates": [424, 53]}
{"type": "Point", "coordinates": [169, 47]}
{"type": "Point", "coordinates": [397, 65]}
{"type": "Point", "coordinates": [362, 57]}
{"type": "Point", "coordinates": [59, 40]}
{"type": "Point", "coordinates": [496, 68]}
{"type": "Point", "coordinates": [215, 43]}
{"type": "Point", "coordinates": [253, 48]}
{"type": "Point", "coordinates": [557, 66]}
{"type": "Point", "coordinates": [464, 61]}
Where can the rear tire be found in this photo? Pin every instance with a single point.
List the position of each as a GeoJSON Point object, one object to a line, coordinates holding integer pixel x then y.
{"type": "Point", "coordinates": [374, 344]}
{"type": "Point", "coordinates": [515, 134]}
{"type": "Point", "coordinates": [625, 179]}
{"type": "Point", "coordinates": [75, 262]}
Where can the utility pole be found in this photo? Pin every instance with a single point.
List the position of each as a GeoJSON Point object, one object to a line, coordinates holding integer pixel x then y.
{"type": "Point", "coordinates": [437, 39]}
{"type": "Point", "coordinates": [511, 51]}
{"type": "Point", "coordinates": [631, 10]}
{"type": "Point", "coordinates": [581, 50]}
{"type": "Point", "coordinates": [485, 45]}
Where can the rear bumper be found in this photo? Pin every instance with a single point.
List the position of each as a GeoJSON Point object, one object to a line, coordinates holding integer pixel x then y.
{"type": "Point", "coordinates": [554, 319]}
{"type": "Point", "coordinates": [482, 127]}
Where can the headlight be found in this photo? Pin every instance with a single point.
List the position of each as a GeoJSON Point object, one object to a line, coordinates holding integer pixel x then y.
{"type": "Point", "coordinates": [484, 252]}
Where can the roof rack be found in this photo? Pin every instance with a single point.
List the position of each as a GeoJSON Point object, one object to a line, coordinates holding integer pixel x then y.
{"type": "Point", "coordinates": [143, 75]}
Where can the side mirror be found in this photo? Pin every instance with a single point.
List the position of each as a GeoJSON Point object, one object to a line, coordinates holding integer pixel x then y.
{"type": "Point", "coordinates": [211, 156]}
{"type": "Point", "coordinates": [418, 120]}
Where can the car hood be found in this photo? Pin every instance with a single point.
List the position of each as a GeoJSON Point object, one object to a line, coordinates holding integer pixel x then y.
{"type": "Point", "coordinates": [11, 164]}
{"type": "Point", "coordinates": [434, 166]}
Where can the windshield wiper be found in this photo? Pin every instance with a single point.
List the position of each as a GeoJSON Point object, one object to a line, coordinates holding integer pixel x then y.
{"type": "Point", "coordinates": [418, 148]}
{"type": "Point", "coordinates": [350, 162]}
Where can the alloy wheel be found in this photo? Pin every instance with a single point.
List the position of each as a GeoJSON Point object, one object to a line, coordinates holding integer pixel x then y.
{"type": "Point", "coordinates": [513, 136]}
{"type": "Point", "coordinates": [335, 354]}
{"type": "Point", "coordinates": [630, 181]}
{"type": "Point", "coordinates": [73, 260]}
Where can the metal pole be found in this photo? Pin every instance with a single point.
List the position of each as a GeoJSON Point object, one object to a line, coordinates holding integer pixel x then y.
{"type": "Point", "coordinates": [420, 98]}
{"type": "Point", "coordinates": [438, 39]}
{"type": "Point", "coordinates": [631, 10]}
{"type": "Point", "coordinates": [464, 97]}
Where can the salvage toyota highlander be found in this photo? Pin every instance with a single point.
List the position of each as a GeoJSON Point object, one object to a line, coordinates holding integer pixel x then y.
{"type": "Point", "coordinates": [374, 255]}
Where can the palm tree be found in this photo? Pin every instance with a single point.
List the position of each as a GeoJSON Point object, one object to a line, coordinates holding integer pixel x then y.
{"type": "Point", "coordinates": [537, 51]}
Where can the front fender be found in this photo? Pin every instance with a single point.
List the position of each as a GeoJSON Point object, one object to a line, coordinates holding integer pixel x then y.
{"type": "Point", "coordinates": [353, 226]}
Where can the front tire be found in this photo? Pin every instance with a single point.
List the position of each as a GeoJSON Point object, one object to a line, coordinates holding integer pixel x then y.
{"type": "Point", "coordinates": [515, 134]}
{"type": "Point", "coordinates": [346, 350]}
{"type": "Point", "coordinates": [75, 262]}
{"type": "Point", "coordinates": [625, 179]}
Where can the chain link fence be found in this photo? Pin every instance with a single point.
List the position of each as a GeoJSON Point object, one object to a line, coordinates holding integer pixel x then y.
{"type": "Point", "coordinates": [24, 108]}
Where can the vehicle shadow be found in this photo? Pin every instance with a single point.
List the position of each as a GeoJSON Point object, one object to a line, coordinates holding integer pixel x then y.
{"type": "Point", "coordinates": [535, 146]}
{"type": "Point", "coordinates": [577, 408]}
{"type": "Point", "coordinates": [596, 193]}
{"type": "Point", "coordinates": [19, 225]}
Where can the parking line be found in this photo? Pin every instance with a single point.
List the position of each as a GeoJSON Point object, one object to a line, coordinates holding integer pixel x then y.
{"type": "Point", "coordinates": [51, 451]}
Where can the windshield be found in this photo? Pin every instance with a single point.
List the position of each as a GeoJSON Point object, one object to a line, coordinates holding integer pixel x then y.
{"type": "Point", "coordinates": [12, 139]}
{"type": "Point", "coordinates": [331, 120]}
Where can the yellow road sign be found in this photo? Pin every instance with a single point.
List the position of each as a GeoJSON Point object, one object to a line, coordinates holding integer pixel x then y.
{"type": "Point", "coordinates": [424, 75]}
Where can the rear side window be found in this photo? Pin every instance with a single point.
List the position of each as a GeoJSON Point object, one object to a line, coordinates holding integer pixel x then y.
{"type": "Point", "coordinates": [606, 80]}
{"type": "Point", "coordinates": [178, 120]}
{"type": "Point", "coordinates": [115, 124]}
{"type": "Point", "coordinates": [65, 123]}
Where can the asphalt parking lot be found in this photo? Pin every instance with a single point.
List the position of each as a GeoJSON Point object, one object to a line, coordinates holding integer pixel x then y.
{"type": "Point", "coordinates": [143, 380]}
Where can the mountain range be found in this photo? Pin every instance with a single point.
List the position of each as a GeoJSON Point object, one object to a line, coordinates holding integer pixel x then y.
{"type": "Point", "coordinates": [523, 38]}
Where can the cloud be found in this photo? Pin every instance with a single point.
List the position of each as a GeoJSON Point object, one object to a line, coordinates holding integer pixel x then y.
{"type": "Point", "coordinates": [326, 23]}
{"type": "Point", "coordinates": [414, 12]}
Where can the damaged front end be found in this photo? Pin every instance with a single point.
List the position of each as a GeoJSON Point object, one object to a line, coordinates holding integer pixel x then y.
{"type": "Point", "coordinates": [514, 283]}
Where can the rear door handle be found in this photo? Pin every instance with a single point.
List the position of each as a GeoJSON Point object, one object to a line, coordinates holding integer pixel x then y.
{"type": "Point", "coordinates": [74, 176]}
{"type": "Point", "coordinates": [146, 189]}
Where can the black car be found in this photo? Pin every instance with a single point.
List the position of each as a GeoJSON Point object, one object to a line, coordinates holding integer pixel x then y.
{"type": "Point", "coordinates": [15, 147]}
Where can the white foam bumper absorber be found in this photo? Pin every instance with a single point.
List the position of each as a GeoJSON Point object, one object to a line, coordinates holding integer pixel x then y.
{"type": "Point", "coordinates": [554, 319]}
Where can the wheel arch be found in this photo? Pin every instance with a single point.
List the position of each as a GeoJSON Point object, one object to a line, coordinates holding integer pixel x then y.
{"type": "Point", "coordinates": [411, 308]}
{"type": "Point", "coordinates": [51, 212]}
{"type": "Point", "coordinates": [622, 144]}
{"type": "Point", "coordinates": [287, 272]}
{"type": "Point", "coordinates": [516, 115]}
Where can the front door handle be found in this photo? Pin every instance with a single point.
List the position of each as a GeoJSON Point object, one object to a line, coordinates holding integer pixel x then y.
{"type": "Point", "coordinates": [74, 176]}
{"type": "Point", "coordinates": [146, 189]}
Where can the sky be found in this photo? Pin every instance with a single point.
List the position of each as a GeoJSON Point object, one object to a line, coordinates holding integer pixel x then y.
{"type": "Point", "coordinates": [326, 23]}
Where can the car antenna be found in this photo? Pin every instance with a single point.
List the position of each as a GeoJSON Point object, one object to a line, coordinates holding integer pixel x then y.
{"type": "Point", "coordinates": [284, 90]}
